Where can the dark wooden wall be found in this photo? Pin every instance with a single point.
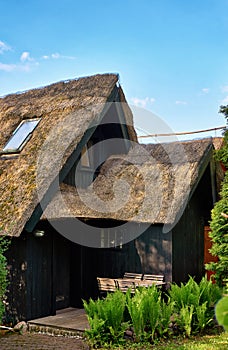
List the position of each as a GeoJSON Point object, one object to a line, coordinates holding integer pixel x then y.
{"type": "Point", "coordinates": [51, 272]}
{"type": "Point", "coordinates": [110, 128]}
{"type": "Point", "coordinates": [155, 251]}
{"type": "Point", "coordinates": [39, 252]}
{"type": "Point", "coordinates": [17, 267]}
{"type": "Point", "coordinates": [188, 234]}
{"type": "Point", "coordinates": [40, 273]}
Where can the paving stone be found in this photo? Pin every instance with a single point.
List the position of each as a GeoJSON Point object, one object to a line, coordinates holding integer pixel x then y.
{"type": "Point", "coordinates": [34, 341]}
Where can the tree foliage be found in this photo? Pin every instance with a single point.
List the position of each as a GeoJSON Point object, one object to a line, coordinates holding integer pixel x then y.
{"type": "Point", "coordinates": [219, 219]}
{"type": "Point", "coordinates": [4, 244]}
{"type": "Point", "coordinates": [222, 154]}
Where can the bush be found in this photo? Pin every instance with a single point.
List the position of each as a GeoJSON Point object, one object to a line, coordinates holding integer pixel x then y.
{"type": "Point", "coordinates": [194, 304]}
{"type": "Point", "coordinates": [147, 317]}
{"type": "Point", "coordinates": [106, 319]}
{"type": "Point", "coordinates": [221, 312]}
{"type": "Point", "coordinates": [219, 223]}
{"type": "Point", "coordinates": [4, 243]}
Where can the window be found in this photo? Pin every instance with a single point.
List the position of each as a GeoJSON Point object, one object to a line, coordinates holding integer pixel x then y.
{"type": "Point", "coordinates": [21, 135]}
{"type": "Point", "coordinates": [85, 159]}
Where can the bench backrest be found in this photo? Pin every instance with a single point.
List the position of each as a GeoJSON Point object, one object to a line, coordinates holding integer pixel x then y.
{"type": "Point", "coordinates": [106, 284]}
{"type": "Point", "coordinates": [136, 276]}
{"type": "Point", "coordinates": [149, 277]}
{"type": "Point", "coordinates": [124, 285]}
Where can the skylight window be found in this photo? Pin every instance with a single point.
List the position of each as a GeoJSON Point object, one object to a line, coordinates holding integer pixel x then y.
{"type": "Point", "coordinates": [21, 135]}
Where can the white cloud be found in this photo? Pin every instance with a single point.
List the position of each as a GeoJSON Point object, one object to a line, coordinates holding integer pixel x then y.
{"type": "Point", "coordinates": [225, 101]}
{"type": "Point", "coordinates": [205, 90]}
{"type": "Point", "coordinates": [7, 67]}
{"type": "Point", "coordinates": [143, 102]}
{"type": "Point", "coordinates": [57, 56]}
{"type": "Point", "coordinates": [17, 67]}
{"type": "Point", "coordinates": [225, 88]}
{"type": "Point", "coordinates": [25, 56]}
{"type": "Point", "coordinates": [4, 47]}
{"type": "Point", "coordinates": [179, 102]}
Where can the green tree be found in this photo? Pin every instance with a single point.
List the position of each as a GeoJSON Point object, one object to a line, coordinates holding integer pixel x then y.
{"type": "Point", "coordinates": [222, 154]}
{"type": "Point", "coordinates": [219, 217]}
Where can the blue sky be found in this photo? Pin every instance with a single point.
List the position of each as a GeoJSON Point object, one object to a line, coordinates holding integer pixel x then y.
{"type": "Point", "coordinates": [172, 55]}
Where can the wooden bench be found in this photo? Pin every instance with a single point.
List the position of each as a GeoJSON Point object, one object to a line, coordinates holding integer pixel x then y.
{"type": "Point", "coordinates": [106, 284]}
{"type": "Point", "coordinates": [136, 276]}
{"type": "Point", "coordinates": [125, 284]}
{"type": "Point", "coordinates": [144, 277]}
{"type": "Point", "coordinates": [156, 278]}
{"type": "Point", "coordinates": [130, 280]}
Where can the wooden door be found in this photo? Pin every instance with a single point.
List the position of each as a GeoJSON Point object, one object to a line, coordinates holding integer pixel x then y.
{"type": "Point", "coordinates": [61, 266]}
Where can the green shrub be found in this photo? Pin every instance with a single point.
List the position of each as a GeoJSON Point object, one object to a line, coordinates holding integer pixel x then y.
{"type": "Point", "coordinates": [136, 311]}
{"type": "Point", "coordinates": [219, 223]}
{"type": "Point", "coordinates": [194, 303]}
{"type": "Point", "coordinates": [221, 312]}
{"type": "Point", "coordinates": [105, 318]}
{"type": "Point", "coordinates": [151, 308]}
{"type": "Point", "coordinates": [185, 318]}
{"type": "Point", "coordinates": [4, 243]}
{"type": "Point", "coordinates": [147, 317]}
{"type": "Point", "coordinates": [166, 311]}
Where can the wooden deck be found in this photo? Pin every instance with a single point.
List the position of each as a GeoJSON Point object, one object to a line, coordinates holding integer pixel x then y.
{"type": "Point", "coordinates": [68, 321]}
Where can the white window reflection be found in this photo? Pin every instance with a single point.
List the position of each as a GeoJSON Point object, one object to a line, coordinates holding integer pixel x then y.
{"type": "Point", "coordinates": [21, 135]}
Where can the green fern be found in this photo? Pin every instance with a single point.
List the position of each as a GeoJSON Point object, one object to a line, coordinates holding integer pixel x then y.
{"type": "Point", "coordinates": [202, 319]}
{"type": "Point", "coordinates": [166, 311]}
{"type": "Point", "coordinates": [105, 316]}
{"type": "Point", "coordinates": [185, 320]}
{"type": "Point", "coordinates": [135, 309]}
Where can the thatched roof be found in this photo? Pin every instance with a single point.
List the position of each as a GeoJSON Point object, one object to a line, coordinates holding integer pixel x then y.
{"type": "Point", "coordinates": [67, 109]}
{"type": "Point", "coordinates": [152, 184]}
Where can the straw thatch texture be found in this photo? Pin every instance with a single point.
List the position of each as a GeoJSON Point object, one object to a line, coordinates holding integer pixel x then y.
{"type": "Point", "coordinates": [152, 184]}
{"type": "Point", "coordinates": [66, 110]}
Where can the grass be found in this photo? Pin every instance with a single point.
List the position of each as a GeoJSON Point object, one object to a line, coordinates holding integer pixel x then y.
{"type": "Point", "coordinates": [206, 342]}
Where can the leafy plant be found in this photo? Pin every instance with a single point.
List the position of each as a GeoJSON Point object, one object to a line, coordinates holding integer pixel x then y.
{"type": "Point", "coordinates": [151, 308]}
{"type": "Point", "coordinates": [105, 318]}
{"type": "Point", "coordinates": [185, 294]}
{"type": "Point", "coordinates": [219, 222]}
{"type": "Point", "coordinates": [201, 315]}
{"type": "Point", "coordinates": [96, 334]}
{"type": "Point", "coordinates": [166, 311]}
{"type": "Point", "coordinates": [194, 302]}
{"type": "Point", "coordinates": [147, 317]}
{"type": "Point", "coordinates": [135, 309]}
{"type": "Point", "coordinates": [185, 318]}
{"type": "Point", "coordinates": [221, 312]}
{"type": "Point", "coordinates": [4, 244]}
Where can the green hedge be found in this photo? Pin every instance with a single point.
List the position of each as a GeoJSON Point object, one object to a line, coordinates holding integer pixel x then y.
{"type": "Point", "coordinates": [4, 243]}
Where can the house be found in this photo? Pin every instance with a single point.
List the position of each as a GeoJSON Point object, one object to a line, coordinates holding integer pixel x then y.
{"type": "Point", "coordinates": [170, 190]}
{"type": "Point", "coordinates": [44, 136]}
{"type": "Point", "coordinates": [81, 198]}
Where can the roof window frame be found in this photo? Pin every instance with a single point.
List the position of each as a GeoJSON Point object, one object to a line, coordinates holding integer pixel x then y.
{"type": "Point", "coordinates": [28, 135]}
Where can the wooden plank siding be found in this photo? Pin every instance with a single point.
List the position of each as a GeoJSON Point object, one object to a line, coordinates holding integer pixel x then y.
{"type": "Point", "coordinates": [111, 127]}
{"type": "Point", "coordinates": [17, 267]}
{"type": "Point", "coordinates": [155, 252]}
{"type": "Point", "coordinates": [188, 234]}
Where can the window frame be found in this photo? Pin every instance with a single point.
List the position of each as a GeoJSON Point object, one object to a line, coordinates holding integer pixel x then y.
{"type": "Point", "coordinates": [27, 137]}
{"type": "Point", "coordinates": [87, 154]}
